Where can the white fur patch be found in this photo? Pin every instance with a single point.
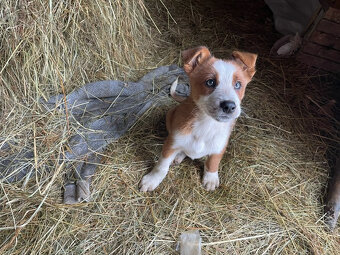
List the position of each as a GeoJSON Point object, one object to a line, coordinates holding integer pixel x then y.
{"type": "Point", "coordinates": [225, 76]}
{"type": "Point", "coordinates": [208, 137]}
{"type": "Point", "coordinates": [225, 89]}
{"type": "Point", "coordinates": [225, 71]}
{"type": "Point", "coordinates": [210, 180]}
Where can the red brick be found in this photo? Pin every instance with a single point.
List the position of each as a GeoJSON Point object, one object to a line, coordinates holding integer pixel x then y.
{"type": "Point", "coordinates": [325, 40]}
{"type": "Point", "coordinates": [333, 15]}
{"type": "Point", "coordinates": [321, 51]}
{"type": "Point", "coordinates": [329, 27]}
{"type": "Point", "coordinates": [318, 62]}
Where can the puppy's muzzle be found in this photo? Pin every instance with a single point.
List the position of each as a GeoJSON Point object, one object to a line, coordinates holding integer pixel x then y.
{"type": "Point", "coordinates": [228, 106]}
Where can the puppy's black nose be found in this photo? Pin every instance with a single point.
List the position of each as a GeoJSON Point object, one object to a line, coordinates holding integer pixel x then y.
{"type": "Point", "coordinates": [228, 106]}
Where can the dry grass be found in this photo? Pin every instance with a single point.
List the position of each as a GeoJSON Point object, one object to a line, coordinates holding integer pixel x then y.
{"type": "Point", "coordinates": [273, 174]}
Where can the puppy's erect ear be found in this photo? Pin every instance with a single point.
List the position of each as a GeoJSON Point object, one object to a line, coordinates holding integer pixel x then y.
{"type": "Point", "coordinates": [194, 57]}
{"type": "Point", "coordinates": [246, 60]}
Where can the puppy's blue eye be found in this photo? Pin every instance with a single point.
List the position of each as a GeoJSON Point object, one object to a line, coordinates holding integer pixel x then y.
{"type": "Point", "coordinates": [211, 83]}
{"type": "Point", "coordinates": [237, 85]}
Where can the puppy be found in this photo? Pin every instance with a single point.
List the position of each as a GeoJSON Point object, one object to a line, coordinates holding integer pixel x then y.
{"type": "Point", "coordinates": [202, 123]}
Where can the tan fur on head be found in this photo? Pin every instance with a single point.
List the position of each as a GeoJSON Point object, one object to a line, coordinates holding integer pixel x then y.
{"type": "Point", "coordinates": [246, 60]}
{"type": "Point", "coordinates": [194, 57]}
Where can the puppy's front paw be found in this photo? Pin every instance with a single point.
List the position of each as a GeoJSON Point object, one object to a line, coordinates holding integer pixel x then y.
{"type": "Point", "coordinates": [210, 180]}
{"type": "Point", "coordinates": [150, 181]}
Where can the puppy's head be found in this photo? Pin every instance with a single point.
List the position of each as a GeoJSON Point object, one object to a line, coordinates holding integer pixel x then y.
{"type": "Point", "coordinates": [218, 86]}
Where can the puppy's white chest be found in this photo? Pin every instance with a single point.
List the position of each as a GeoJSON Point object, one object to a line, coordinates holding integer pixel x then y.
{"type": "Point", "coordinates": [208, 137]}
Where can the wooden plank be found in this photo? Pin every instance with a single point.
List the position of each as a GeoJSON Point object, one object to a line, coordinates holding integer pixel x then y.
{"type": "Point", "coordinates": [333, 3]}
{"type": "Point", "coordinates": [325, 39]}
{"type": "Point", "coordinates": [333, 14]}
{"type": "Point", "coordinates": [318, 62]}
{"type": "Point", "coordinates": [336, 4]}
{"type": "Point", "coordinates": [321, 51]}
{"type": "Point", "coordinates": [328, 27]}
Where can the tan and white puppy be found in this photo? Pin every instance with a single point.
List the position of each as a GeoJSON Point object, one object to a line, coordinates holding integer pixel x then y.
{"type": "Point", "coordinates": [201, 124]}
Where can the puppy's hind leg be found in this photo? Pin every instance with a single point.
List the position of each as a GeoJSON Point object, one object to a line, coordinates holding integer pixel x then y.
{"type": "Point", "coordinates": [179, 158]}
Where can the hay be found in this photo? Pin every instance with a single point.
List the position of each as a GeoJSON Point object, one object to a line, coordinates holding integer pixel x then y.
{"type": "Point", "coordinates": [273, 174]}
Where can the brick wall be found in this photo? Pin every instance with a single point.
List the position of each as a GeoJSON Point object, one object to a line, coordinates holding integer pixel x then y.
{"type": "Point", "coordinates": [321, 48]}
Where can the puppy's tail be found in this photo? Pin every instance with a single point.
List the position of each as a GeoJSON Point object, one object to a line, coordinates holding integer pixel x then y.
{"type": "Point", "coordinates": [173, 93]}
